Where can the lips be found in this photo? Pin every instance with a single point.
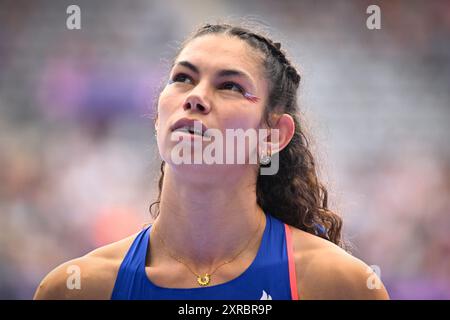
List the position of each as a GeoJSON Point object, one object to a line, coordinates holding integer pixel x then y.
{"type": "Point", "coordinates": [192, 126]}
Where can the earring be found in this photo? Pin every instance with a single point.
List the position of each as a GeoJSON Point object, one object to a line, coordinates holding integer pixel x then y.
{"type": "Point", "coordinates": [265, 159]}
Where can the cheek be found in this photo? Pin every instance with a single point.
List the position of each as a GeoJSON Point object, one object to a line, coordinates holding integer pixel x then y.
{"type": "Point", "coordinates": [247, 121]}
{"type": "Point", "coordinates": [166, 105]}
{"type": "Point", "coordinates": [241, 120]}
{"type": "Point", "coordinates": [165, 109]}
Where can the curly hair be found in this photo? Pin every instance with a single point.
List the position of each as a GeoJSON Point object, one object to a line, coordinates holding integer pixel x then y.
{"type": "Point", "coordinates": [294, 194]}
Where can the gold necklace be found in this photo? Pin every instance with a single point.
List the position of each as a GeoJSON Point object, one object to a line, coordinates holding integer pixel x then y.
{"type": "Point", "coordinates": [205, 279]}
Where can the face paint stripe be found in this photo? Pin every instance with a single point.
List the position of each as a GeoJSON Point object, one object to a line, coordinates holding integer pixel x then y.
{"type": "Point", "coordinates": [251, 97]}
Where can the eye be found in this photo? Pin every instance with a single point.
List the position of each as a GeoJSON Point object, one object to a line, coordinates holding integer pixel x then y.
{"type": "Point", "coordinates": [232, 86]}
{"type": "Point", "coordinates": [181, 77]}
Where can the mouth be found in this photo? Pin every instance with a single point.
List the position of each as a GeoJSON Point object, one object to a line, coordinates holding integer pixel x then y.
{"type": "Point", "coordinates": [191, 126]}
{"type": "Point", "coordinates": [190, 130]}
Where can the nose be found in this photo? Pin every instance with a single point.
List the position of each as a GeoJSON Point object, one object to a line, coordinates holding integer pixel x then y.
{"type": "Point", "coordinates": [197, 101]}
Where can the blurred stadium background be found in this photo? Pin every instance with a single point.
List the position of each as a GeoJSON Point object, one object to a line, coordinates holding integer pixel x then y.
{"type": "Point", "coordinates": [78, 158]}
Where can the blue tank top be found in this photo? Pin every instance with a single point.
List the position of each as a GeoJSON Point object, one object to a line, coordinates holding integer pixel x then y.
{"type": "Point", "coordinates": [271, 275]}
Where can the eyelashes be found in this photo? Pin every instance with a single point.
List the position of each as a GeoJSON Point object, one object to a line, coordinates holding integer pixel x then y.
{"type": "Point", "coordinates": [228, 85]}
{"type": "Point", "coordinates": [231, 84]}
{"type": "Point", "coordinates": [179, 76]}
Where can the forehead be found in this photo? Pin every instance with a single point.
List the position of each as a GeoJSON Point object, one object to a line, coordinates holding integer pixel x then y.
{"type": "Point", "coordinates": [220, 51]}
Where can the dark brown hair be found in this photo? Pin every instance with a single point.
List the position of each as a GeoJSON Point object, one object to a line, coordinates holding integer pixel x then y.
{"type": "Point", "coordinates": [294, 194]}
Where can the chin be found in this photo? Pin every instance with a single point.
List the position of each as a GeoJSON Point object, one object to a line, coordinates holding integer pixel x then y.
{"type": "Point", "coordinates": [209, 172]}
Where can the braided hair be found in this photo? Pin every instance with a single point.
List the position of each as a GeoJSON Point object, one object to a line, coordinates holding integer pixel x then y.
{"type": "Point", "coordinates": [294, 194]}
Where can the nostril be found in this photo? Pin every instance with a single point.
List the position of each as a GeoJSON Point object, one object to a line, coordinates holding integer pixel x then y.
{"type": "Point", "coordinates": [194, 105]}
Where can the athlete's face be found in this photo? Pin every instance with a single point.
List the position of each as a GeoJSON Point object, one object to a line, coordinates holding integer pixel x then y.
{"type": "Point", "coordinates": [214, 79]}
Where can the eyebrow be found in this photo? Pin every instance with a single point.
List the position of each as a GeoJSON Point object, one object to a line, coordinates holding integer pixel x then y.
{"type": "Point", "coordinates": [221, 73]}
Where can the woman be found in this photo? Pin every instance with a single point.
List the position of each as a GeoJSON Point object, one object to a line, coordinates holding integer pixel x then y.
{"type": "Point", "coordinates": [227, 231]}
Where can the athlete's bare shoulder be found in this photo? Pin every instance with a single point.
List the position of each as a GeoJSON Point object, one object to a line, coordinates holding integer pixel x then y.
{"type": "Point", "coordinates": [326, 271]}
{"type": "Point", "coordinates": [91, 276]}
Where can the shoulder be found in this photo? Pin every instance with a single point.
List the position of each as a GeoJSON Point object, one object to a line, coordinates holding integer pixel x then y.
{"type": "Point", "coordinates": [326, 271]}
{"type": "Point", "coordinates": [91, 276]}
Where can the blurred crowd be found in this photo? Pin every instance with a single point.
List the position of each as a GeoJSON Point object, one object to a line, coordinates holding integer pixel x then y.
{"type": "Point", "coordinates": [79, 163]}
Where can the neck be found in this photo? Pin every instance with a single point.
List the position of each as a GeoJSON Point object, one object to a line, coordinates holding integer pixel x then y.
{"type": "Point", "coordinates": [206, 223]}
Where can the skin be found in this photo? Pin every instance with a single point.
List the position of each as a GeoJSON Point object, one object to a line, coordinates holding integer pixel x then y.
{"type": "Point", "coordinates": [214, 206]}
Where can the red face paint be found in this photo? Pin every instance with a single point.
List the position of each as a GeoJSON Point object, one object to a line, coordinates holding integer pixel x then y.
{"type": "Point", "coordinates": [251, 97]}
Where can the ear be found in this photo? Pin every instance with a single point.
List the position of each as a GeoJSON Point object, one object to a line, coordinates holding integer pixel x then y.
{"type": "Point", "coordinates": [284, 127]}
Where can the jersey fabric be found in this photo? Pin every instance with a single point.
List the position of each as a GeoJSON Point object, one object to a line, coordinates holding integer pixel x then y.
{"type": "Point", "coordinates": [271, 275]}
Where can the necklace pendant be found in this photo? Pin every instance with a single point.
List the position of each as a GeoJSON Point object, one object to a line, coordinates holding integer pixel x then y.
{"type": "Point", "coordinates": [204, 281]}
